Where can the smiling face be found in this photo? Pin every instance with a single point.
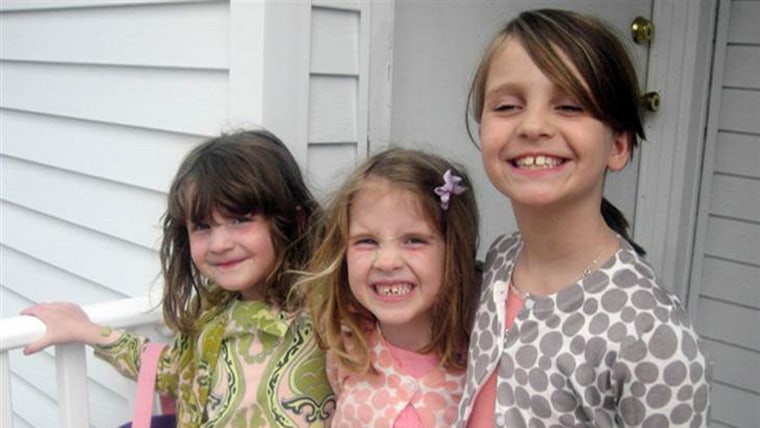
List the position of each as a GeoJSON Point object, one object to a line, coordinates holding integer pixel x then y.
{"type": "Point", "coordinates": [235, 252]}
{"type": "Point", "coordinates": [395, 261]}
{"type": "Point", "coordinates": [540, 147]}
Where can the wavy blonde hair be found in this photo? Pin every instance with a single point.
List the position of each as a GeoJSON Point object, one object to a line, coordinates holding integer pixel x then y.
{"type": "Point", "coordinates": [343, 324]}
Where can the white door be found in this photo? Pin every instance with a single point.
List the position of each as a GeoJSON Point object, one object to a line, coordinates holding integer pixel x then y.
{"type": "Point", "coordinates": [436, 48]}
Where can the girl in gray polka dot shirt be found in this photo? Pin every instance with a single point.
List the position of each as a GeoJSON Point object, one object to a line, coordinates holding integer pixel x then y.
{"type": "Point", "coordinates": [573, 327]}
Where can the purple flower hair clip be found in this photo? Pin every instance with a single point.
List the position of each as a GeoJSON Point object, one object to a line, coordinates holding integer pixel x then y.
{"type": "Point", "coordinates": [451, 186]}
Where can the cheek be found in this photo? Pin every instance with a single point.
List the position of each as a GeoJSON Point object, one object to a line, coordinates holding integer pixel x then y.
{"type": "Point", "coordinates": [490, 142]}
{"type": "Point", "coordinates": [266, 243]}
{"type": "Point", "coordinates": [488, 126]}
{"type": "Point", "coordinates": [357, 267]}
{"type": "Point", "coordinates": [437, 267]}
{"type": "Point", "coordinates": [354, 263]}
{"type": "Point", "coordinates": [197, 249]}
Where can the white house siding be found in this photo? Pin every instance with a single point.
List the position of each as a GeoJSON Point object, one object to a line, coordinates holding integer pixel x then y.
{"type": "Point", "coordinates": [338, 82]}
{"type": "Point", "coordinates": [99, 101]}
{"type": "Point", "coordinates": [727, 256]}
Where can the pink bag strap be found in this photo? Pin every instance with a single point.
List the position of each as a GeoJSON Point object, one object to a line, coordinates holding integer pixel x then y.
{"type": "Point", "coordinates": [146, 385]}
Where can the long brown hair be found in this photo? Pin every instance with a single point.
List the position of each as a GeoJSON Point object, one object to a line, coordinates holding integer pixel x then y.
{"type": "Point", "coordinates": [237, 173]}
{"type": "Point", "coordinates": [609, 88]}
{"type": "Point", "coordinates": [338, 314]}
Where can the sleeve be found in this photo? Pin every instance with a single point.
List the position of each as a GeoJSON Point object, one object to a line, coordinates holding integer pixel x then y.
{"type": "Point", "coordinates": [124, 355]}
{"type": "Point", "coordinates": [662, 376]}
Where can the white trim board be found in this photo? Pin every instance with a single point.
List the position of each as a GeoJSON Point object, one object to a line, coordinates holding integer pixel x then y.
{"type": "Point", "coordinates": [670, 169]}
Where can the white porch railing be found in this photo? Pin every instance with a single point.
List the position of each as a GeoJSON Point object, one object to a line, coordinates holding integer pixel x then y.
{"type": "Point", "coordinates": [71, 370]}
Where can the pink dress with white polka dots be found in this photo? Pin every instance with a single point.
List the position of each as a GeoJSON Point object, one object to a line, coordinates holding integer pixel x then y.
{"type": "Point", "coordinates": [377, 399]}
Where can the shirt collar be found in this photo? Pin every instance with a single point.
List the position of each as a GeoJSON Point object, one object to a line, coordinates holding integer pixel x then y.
{"type": "Point", "coordinates": [249, 315]}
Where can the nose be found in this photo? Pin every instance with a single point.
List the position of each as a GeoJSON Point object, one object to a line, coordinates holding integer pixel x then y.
{"type": "Point", "coordinates": [220, 239]}
{"type": "Point", "coordinates": [387, 259]}
{"type": "Point", "coordinates": [536, 123]}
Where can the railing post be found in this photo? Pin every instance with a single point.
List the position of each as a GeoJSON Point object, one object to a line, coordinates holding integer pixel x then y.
{"type": "Point", "coordinates": [6, 407]}
{"type": "Point", "coordinates": [71, 370]}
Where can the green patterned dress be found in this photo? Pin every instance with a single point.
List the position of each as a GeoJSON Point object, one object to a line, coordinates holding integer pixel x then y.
{"type": "Point", "coordinates": [250, 365]}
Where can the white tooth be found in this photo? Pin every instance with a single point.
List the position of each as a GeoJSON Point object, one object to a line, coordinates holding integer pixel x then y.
{"type": "Point", "coordinates": [541, 160]}
{"type": "Point", "coordinates": [393, 290]}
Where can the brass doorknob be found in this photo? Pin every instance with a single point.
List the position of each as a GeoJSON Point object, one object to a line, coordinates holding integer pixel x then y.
{"type": "Point", "coordinates": [642, 30]}
{"type": "Point", "coordinates": [651, 101]}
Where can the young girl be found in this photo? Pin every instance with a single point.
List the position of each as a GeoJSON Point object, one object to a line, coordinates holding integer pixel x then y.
{"type": "Point", "coordinates": [573, 327]}
{"type": "Point", "coordinates": [234, 228]}
{"type": "Point", "coordinates": [392, 290]}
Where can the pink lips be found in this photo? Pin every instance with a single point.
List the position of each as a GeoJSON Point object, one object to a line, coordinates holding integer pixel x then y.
{"type": "Point", "coordinates": [227, 264]}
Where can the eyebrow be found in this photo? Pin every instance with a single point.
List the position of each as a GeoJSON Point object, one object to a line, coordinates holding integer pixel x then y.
{"type": "Point", "coordinates": [504, 88]}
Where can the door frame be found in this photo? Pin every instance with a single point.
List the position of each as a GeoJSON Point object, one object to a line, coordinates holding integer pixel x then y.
{"type": "Point", "coordinates": [671, 161]}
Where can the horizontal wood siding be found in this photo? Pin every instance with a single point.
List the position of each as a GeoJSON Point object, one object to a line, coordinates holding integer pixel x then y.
{"type": "Point", "coordinates": [138, 157]}
{"type": "Point", "coordinates": [728, 303]}
{"type": "Point", "coordinates": [737, 154]}
{"type": "Point", "coordinates": [36, 280]}
{"type": "Point", "coordinates": [725, 203]}
{"type": "Point", "coordinates": [114, 264]}
{"type": "Point", "coordinates": [335, 42]}
{"type": "Point", "coordinates": [733, 407]}
{"type": "Point", "coordinates": [352, 5]}
{"type": "Point", "coordinates": [333, 109]}
{"type": "Point", "coordinates": [727, 280]}
{"type": "Point", "coordinates": [337, 98]}
{"type": "Point", "coordinates": [147, 97]}
{"type": "Point", "coordinates": [743, 22]}
{"type": "Point", "coordinates": [341, 159]}
{"type": "Point", "coordinates": [731, 324]}
{"type": "Point", "coordinates": [742, 66]}
{"type": "Point", "coordinates": [54, 192]}
{"type": "Point", "coordinates": [122, 35]}
{"type": "Point", "coordinates": [26, 5]}
{"type": "Point", "coordinates": [739, 367]}
{"type": "Point", "coordinates": [740, 110]}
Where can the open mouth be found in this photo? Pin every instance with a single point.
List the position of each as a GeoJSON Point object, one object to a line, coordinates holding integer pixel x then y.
{"type": "Point", "coordinates": [537, 162]}
{"type": "Point", "coordinates": [393, 290]}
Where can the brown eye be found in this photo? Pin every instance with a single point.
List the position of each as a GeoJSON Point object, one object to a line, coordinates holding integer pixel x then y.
{"type": "Point", "coordinates": [242, 219]}
{"type": "Point", "coordinates": [199, 226]}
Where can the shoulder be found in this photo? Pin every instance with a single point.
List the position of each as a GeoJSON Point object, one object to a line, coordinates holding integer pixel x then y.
{"type": "Point", "coordinates": [499, 259]}
{"type": "Point", "coordinates": [503, 243]}
{"type": "Point", "coordinates": [656, 323]}
{"type": "Point", "coordinates": [502, 249]}
{"type": "Point", "coordinates": [635, 282]}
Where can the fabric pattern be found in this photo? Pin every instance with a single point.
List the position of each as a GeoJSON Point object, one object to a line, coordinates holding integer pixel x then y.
{"type": "Point", "coordinates": [377, 399]}
{"type": "Point", "coordinates": [613, 349]}
{"type": "Point", "coordinates": [250, 365]}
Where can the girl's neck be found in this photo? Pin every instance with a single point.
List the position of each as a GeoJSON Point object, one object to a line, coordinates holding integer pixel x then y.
{"type": "Point", "coordinates": [404, 337]}
{"type": "Point", "coordinates": [559, 248]}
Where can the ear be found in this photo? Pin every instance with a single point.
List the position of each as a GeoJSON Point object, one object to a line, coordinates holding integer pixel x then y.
{"type": "Point", "coordinates": [620, 152]}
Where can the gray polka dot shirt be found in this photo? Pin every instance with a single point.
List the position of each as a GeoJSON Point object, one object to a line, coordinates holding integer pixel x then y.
{"type": "Point", "coordinates": [613, 349]}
